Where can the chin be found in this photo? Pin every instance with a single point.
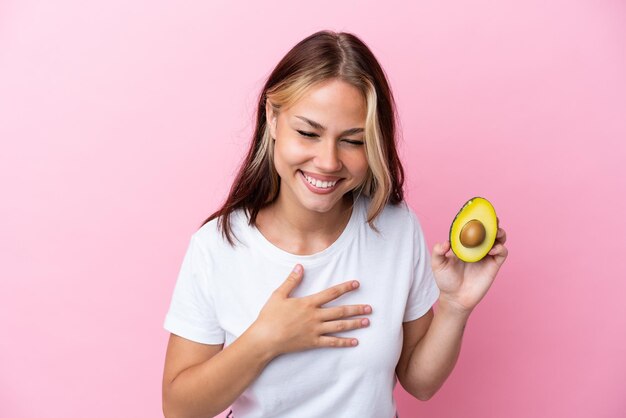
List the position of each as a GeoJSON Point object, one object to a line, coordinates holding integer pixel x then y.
{"type": "Point", "coordinates": [320, 207]}
{"type": "Point", "coordinates": [321, 204]}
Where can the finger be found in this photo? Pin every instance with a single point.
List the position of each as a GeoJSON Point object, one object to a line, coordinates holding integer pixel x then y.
{"type": "Point", "coordinates": [438, 259]}
{"type": "Point", "coordinates": [501, 236]}
{"type": "Point", "coordinates": [292, 281]}
{"type": "Point", "coordinates": [326, 341]}
{"type": "Point", "coordinates": [338, 312]}
{"type": "Point", "coordinates": [499, 252]}
{"type": "Point", "coordinates": [333, 292]}
{"type": "Point", "coordinates": [497, 249]}
{"type": "Point", "coordinates": [331, 327]}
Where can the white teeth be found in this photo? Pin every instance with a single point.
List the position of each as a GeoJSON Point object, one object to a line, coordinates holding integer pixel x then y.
{"type": "Point", "coordinates": [319, 183]}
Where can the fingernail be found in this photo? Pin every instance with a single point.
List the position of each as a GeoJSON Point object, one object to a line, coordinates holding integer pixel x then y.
{"type": "Point", "coordinates": [367, 309]}
{"type": "Point", "coordinates": [355, 284]}
{"type": "Point", "coordinates": [297, 269]}
{"type": "Point", "coordinates": [364, 322]}
{"type": "Point", "coordinates": [354, 342]}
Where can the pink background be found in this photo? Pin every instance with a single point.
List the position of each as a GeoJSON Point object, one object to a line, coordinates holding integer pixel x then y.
{"type": "Point", "coordinates": [122, 124]}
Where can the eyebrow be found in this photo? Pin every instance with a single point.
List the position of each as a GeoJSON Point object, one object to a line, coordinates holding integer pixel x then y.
{"type": "Point", "coordinates": [323, 128]}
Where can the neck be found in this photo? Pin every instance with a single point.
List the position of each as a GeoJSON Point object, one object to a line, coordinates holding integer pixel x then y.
{"type": "Point", "coordinates": [301, 231]}
{"type": "Point", "coordinates": [301, 221]}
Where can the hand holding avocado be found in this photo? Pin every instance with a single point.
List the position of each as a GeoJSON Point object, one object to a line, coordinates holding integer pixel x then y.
{"type": "Point", "coordinates": [477, 242]}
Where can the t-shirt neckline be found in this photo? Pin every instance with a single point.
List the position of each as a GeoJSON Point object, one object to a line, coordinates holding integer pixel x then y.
{"type": "Point", "coordinates": [278, 254]}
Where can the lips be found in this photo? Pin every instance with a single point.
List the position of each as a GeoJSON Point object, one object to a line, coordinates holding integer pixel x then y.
{"type": "Point", "coordinates": [320, 190]}
{"type": "Point", "coordinates": [320, 176]}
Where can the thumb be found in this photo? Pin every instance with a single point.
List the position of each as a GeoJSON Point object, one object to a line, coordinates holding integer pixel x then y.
{"type": "Point", "coordinates": [293, 280]}
{"type": "Point", "coordinates": [439, 259]}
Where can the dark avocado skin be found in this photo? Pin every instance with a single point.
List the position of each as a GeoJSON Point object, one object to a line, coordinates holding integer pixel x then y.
{"type": "Point", "coordinates": [459, 213]}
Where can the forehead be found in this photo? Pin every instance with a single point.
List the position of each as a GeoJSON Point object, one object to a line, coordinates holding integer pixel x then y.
{"type": "Point", "coordinates": [331, 103]}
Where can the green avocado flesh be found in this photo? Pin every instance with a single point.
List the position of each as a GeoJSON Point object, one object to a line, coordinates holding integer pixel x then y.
{"type": "Point", "coordinates": [474, 230]}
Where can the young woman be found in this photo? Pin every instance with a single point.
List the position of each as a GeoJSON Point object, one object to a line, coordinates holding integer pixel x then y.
{"type": "Point", "coordinates": [311, 289]}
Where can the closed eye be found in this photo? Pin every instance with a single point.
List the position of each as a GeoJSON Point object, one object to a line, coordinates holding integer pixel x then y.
{"type": "Point", "coordinates": [307, 134]}
{"type": "Point", "coordinates": [313, 135]}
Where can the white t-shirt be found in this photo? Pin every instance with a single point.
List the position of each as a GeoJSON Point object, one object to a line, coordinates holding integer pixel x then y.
{"type": "Point", "coordinates": [221, 289]}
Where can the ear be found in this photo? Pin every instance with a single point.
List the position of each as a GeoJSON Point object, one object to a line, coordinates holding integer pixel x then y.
{"type": "Point", "coordinates": [270, 118]}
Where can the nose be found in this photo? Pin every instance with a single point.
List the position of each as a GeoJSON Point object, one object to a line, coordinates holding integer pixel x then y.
{"type": "Point", "coordinates": [328, 159]}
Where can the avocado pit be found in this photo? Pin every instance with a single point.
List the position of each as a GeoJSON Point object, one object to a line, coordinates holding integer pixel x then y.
{"type": "Point", "coordinates": [473, 230]}
{"type": "Point", "coordinates": [472, 234]}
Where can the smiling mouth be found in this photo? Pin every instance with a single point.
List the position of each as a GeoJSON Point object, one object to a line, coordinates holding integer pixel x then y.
{"type": "Point", "coordinates": [319, 186]}
{"type": "Point", "coordinates": [320, 183]}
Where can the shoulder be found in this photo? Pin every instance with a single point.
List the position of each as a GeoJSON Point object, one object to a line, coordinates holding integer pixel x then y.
{"type": "Point", "coordinates": [393, 216]}
{"type": "Point", "coordinates": [210, 237]}
{"type": "Point", "coordinates": [396, 222]}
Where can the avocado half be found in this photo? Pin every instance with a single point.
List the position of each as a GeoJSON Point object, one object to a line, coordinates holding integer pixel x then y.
{"type": "Point", "coordinates": [473, 231]}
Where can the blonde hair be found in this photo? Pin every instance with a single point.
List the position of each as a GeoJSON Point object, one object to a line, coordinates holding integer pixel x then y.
{"type": "Point", "coordinates": [321, 57]}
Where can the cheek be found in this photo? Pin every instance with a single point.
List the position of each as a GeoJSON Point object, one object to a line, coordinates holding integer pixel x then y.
{"type": "Point", "coordinates": [288, 152]}
{"type": "Point", "coordinates": [359, 164]}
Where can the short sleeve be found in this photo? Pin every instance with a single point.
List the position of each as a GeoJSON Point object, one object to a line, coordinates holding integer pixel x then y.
{"type": "Point", "coordinates": [424, 291]}
{"type": "Point", "coordinates": [192, 312]}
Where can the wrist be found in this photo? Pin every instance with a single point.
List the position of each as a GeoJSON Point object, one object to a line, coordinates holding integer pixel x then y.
{"type": "Point", "coordinates": [451, 308]}
{"type": "Point", "coordinates": [262, 342]}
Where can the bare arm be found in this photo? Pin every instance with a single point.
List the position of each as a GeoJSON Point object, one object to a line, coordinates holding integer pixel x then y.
{"type": "Point", "coordinates": [217, 377]}
{"type": "Point", "coordinates": [431, 348]}
{"type": "Point", "coordinates": [202, 380]}
{"type": "Point", "coordinates": [432, 343]}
